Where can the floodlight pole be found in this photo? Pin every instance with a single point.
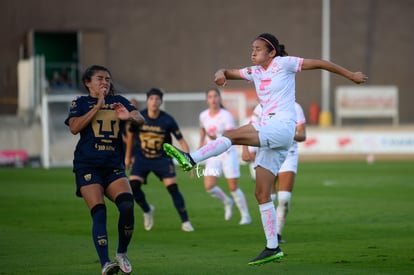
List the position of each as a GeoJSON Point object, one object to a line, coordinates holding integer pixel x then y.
{"type": "Point", "coordinates": [325, 117]}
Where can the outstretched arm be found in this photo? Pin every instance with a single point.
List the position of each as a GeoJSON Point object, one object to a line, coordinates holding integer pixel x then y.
{"type": "Point", "coordinates": [311, 64]}
{"type": "Point", "coordinates": [221, 76]}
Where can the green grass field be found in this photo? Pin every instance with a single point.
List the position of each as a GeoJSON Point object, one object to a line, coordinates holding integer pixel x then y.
{"type": "Point", "coordinates": [346, 218]}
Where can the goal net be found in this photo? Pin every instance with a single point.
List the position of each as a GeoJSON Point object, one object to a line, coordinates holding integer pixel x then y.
{"type": "Point", "coordinates": [58, 143]}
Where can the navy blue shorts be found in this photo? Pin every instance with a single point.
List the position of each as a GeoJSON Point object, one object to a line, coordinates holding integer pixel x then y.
{"type": "Point", "coordinates": [103, 176]}
{"type": "Point", "coordinates": [163, 168]}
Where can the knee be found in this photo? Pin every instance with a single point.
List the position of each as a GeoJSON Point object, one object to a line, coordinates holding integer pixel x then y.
{"type": "Point", "coordinates": [172, 188]}
{"type": "Point", "coordinates": [100, 208]}
{"type": "Point", "coordinates": [125, 203]}
{"type": "Point", "coordinates": [262, 196]}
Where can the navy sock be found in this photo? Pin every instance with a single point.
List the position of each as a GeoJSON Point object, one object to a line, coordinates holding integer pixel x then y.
{"type": "Point", "coordinates": [125, 204]}
{"type": "Point", "coordinates": [99, 234]}
{"type": "Point", "coordinates": [139, 195]}
{"type": "Point", "coordinates": [178, 201]}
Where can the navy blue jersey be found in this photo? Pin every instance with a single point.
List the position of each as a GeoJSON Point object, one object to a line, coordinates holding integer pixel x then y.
{"type": "Point", "coordinates": [150, 136]}
{"type": "Point", "coordinates": [100, 143]}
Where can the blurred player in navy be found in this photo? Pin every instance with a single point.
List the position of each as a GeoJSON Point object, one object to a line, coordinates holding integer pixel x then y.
{"type": "Point", "coordinates": [150, 157]}
{"type": "Point", "coordinates": [98, 162]}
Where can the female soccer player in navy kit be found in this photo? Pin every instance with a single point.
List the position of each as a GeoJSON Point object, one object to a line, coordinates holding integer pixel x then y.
{"type": "Point", "coordinates": [273, 73]}
{"type": "Point", "coordinates": [144, 144]}
{"type": "Point", "coordinates": [98, 162]}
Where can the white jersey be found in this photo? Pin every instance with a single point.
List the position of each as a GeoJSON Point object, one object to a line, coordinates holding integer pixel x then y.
{"type": "Point", "coordinates": [275, 87]}
{"type": "Point", "coordinates": [216, 124]}
{"type": "Point", "coordinates": [227, 162]}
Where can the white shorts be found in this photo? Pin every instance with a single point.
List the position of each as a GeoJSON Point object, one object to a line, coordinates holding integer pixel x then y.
{"type": "Point", "coordinates": [226, 163]}
{"type": "Point", "coordinates": [291, 162]}
{"type": "Point", "coordinates": [276, 136]}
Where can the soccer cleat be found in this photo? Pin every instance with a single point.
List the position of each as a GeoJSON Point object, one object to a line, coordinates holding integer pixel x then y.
{"type": "Point", "coordinates": [245, 220]}
{"type": "Point", "coordinates": [110, 268]}
{"type": "Point", "coordinates": [279, 239]}
{"type": "Point", "coordinates": [149, 219]}
{"type": "Point", "coordinates": [187, 227]}
{"type": "Point", "coordinates": [266, 256]}
{"type": "Point", "coordinates": [123, 262]}
{"type": "Point", "coordinates": [184, 159]}
{"type": "Point", "coordinates": [228, 209]}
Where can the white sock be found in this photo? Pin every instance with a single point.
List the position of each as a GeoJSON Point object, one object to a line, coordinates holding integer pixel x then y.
{"type": "Point", "coordinates": [217, 192]}
{"type": "Point", "coordinates": [241, 203]}
{"type": "Point", "coordinates": [268, 215]}
{"type": "Point", "coordinates": [211, 149]}
{"type": "Point", "coordinates": [273, 197]}
{"type": "Point", "coordinates": [252, 170]}
{"type": "Point", "coordinates": [283, 204]}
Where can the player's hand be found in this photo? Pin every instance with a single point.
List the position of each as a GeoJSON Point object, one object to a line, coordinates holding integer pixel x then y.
{"type": "Point", "coordinates": [101, 100]}
{"type": "Point", "coordinates": [220, 79]}
{"type": "Point", "coordinates": [359, 77]}
{"type": "Point", "coordinates": [120, 111]}
{"type": "Point", "coordinates": [246, 156]}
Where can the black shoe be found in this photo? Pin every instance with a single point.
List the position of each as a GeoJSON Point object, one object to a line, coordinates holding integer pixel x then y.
{"type": "Point", "coordinates": [267, 255]}
{"type": "Point", "coordinates": [279, 239]}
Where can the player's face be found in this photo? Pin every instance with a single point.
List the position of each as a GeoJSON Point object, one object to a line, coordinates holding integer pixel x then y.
{"type": "Point", "coordinates": [154, 103]}
{"type": "Point", "coordinates": [213, 100]}
{"type": "Point", "coordinates": [260, 54]}
{"type": "Point", "coordinates": [99, 84]}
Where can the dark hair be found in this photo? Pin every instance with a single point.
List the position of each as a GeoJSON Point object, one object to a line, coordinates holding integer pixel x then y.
{"type": "Point", "coordinates": [90, 71]}
{"type": "Point", "coordinates": [273, 44]}
{"type": "Point", "coordinates": [155, 91]}
{"type": "Point", "coordinates": [218, 93]}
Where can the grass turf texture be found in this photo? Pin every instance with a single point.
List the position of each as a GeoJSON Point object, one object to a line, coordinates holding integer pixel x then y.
{"type": "Point", "coordinates": [346, 218]}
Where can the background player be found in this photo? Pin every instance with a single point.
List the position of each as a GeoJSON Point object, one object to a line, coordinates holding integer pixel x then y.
{"type": "Point", "coordinates": [149, 157]}
{"type": "Point", "coordinates": [213, 122]}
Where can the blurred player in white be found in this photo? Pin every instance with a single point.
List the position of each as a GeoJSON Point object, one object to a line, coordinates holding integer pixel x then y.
{"type": "Point", "coordinates": [286, 176]}
{"type": "Point", "coordinates": [213, 122]}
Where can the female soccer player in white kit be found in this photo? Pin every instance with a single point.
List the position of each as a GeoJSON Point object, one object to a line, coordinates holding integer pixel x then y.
{"type": "Point", "coordinates": [213, 122]}
{"type": "Point", "coordinates": [273, 73]}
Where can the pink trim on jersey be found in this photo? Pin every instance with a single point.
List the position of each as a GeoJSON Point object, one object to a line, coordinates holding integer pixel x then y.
{"type": "Point", "coordinates": [242, 74]}
{"type": "Point", "coordinates": [300, 65]}
{"type": "Point", "coordinates": [303, 121]}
